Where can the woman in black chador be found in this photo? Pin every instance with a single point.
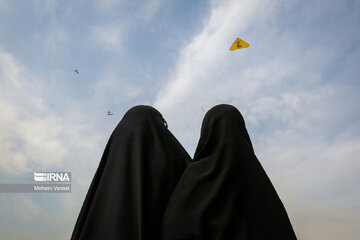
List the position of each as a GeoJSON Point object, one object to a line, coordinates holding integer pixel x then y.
{"type": "Point", "coordinates": [148, 188]}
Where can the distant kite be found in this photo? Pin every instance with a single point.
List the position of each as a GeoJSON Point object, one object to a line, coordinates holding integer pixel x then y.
{"type": "Point", "coordinates": [239, 44]}
{"type": "Point", "coordinates": [77, 71]}
{"type": "Point", "coordinates": [109, 113]}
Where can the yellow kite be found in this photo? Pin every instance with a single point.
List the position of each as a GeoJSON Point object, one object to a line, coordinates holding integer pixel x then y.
{"type": "Point", "coordinates": [239, 44]}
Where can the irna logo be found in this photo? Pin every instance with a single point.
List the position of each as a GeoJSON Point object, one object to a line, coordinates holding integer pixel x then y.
{"type": "Point", "coordinates": [52, 176]}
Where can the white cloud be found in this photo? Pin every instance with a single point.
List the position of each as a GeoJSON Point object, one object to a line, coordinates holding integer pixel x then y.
{"type": "Point", "coordinates": [109, 37]}
{"type": "Point", "coordinates": [145, 9]}
{"type": "Point", "coordinates": [56, 40]}
{"type": "Point", "coordinates": [53, 42]}
{"type": "Point", "coordinates": [52, 38]}
{"type": "Point", "coordinates": [33, 133]}
{"type": "Point", "coordinates": [206, 72]}
{"type": "Point", "coordinates": [108, 4]}
{"type": "Point", "coordinates": [111, 88]}
{"type": "Point", "coordinates": [197, 61]}
{"type": "Point", "coordinates": [34, 137]}
{"type": "Point", "coordinates": [27, 209]}
{"type": "Point", "coordinates": [21, 207]}
{"type": "Point", "coordinates": [45, 6]}
{"type": "Point", "coordinates": [28, 129]}
{"type": "Point", "coordinates": [149, 8]}
{"type": "Point", "coordinates": [305, 131]}
{"type": "Point", "coordinates": [305, 127]}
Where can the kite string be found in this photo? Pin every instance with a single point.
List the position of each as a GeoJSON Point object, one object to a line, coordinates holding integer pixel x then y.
{"type": "Point", "coordinates": [206, 99]}
{"type": "Point", "coordinates": [188, 125]}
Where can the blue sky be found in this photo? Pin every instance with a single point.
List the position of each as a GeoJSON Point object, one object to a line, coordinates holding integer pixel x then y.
{"type": "Point", "coordinates": [297, 86]}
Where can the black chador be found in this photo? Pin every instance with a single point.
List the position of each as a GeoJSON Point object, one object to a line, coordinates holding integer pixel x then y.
{"type": "Point", "coordinates": [147, 186]}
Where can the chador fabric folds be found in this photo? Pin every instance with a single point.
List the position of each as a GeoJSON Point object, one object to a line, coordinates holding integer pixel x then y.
{"type": "Point", "coordinates": [225, 194]}
{"type": "Point", "coordinates": [138, 172]}
{"type": "Point", "coordinates": [147, 187]}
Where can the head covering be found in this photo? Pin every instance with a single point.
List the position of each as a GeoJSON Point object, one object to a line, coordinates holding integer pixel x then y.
{"type": "Point", "coordinates": [225, 194]}
{"type": "Point", "coordinates": [138, 172]}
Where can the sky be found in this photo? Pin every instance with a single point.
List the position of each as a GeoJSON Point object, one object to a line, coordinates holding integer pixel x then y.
{"type": "Point", "coordinates": [297, 86]}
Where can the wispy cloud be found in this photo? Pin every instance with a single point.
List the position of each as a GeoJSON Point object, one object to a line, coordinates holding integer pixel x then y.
{"type": "Point", "coordinates": [45, 6]}
{"type": "Point", "coordinates": [27, 209]}
{"type": "Point", "coordinates": [108, 4]}
{"type": "Point", "coordinates": [21, 207]}
{"type": "Point", "coordinates": [198, 59]}
{"type": "Point", "coordinates": [34, 137]}
{"type": "Point", "coordinates": [28, 129]}
{"type": "Point", "coordinates": [149, 8]}
{"type": "Point", "coordinates": [111, 87]}
{"type": "Point", "coordinates": [304, 123]}
{"type": "Point", "coordinates": [144, 9]}
{"type": "Point", "coordinates": [199, 77]}
{"type": "Point", "coordinates": [31, 132]}
{"type": "Point", "coordinates": [53, 42]}
{"type": "Point", "coordinates": [296, 85]}
{"type": "Point", "coordinates": [109, 37]}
